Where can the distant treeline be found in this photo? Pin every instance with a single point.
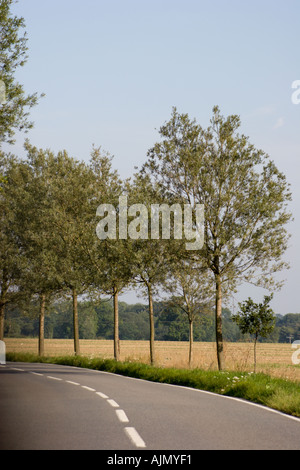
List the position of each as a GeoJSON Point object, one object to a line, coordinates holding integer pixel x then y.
{"type": "Point", "coordinates": [96, 322]}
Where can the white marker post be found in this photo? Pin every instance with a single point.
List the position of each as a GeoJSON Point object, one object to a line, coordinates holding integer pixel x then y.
{"type": "Point", "coordinates": [2, 353]}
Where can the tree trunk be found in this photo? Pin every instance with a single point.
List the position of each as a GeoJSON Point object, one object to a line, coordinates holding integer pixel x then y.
{"type": "Point", "coordinates": [42, 325]}
{"type": "Point", "coordinates": [75, 324]}
{"type": "Point", "coordinates": [2, 316]}
{"type": "Point", "coordinates": [151, 320]}
{"type": "Point", "coordinates": [218, 313]}
{"type": "Point", "coordinates": [191, 328]}
{"type": "Point", "coordinates": [116, 325]}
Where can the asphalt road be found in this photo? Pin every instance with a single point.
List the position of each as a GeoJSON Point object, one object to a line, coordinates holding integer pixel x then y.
{"type": "Point", "coordinates": [51, 407]}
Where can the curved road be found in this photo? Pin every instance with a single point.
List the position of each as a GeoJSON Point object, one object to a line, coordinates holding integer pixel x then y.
{"type": "Point", "coordinates": [46, 406]}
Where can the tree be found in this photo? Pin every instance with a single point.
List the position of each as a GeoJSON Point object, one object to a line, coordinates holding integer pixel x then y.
{"type": "Point", "coordinates": [288, 327]}
{"type": "Point", "coordinates": [244, 196]}
{"type": "Point", "coordinates": [255, 319]}
{"type": "Point", "coordinates": [114, 275]}
{"type": "Point", "coordinates": [191, 291]}
{"type": "Point", "coordinates": [14, 109]}
{"type": "Point", "coordinates": [150, 257]}
{"type": "Point", "coordinates": [71, 214]}
{"type": "Point", "coordinates": [149, 272]}
{"type": "Point", "coordinates": [11, 260]}
{"type": "Point", "coordinates": [109, 257]}
{"type": "Point", "coordinates": [29, 199]}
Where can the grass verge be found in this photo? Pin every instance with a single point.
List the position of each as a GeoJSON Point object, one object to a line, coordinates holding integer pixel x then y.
{"type": "Point", "coordinates": [279, 394]}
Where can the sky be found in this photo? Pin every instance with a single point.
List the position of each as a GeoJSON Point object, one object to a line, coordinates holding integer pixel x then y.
{"type": "Point", "coordinates": [112, 70]}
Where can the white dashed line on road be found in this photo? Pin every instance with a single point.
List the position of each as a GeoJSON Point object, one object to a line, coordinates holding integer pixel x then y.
{"type": "Point", "coordinates": [102, 395]}
{"type": "Point", "coordinates": [113, 403]}
{"type": "Point", "coordinates": [131, 432]}
{"type": "Point", "coordinates": [122, 416]}
{"type": "Point", "coordinates": [135, 437]}
{"type": "Point", "coordinates": [88, 388]}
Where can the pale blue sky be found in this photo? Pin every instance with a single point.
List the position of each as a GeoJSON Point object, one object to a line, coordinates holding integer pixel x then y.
{"type": "Point", "coordinates": [113, 69]}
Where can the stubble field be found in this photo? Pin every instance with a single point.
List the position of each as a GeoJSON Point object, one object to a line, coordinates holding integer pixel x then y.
{"type": "Point", "coordinates": [274, 359]}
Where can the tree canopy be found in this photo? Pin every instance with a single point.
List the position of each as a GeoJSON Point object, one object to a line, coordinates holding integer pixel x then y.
{"type": "Point", "coordinates": [244, 195]}
{"type": "Point", "coordinates": [16, 104]}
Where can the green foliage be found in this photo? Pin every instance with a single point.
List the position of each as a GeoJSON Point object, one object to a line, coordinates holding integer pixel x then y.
{"type": "Point", "coordinates": [50, 248]}
{"type": "Point", "coordinates": [134, 321]}
{"type": "Point", "coordinates": [14, 112]}
{"type": "Point", "coordinates": [288, 328]}
{"type": "Point", "coordinates": [255, 319]}
{"type": "Point", "coordinates": [96, 322]}
{"type": "Point", "coordinates": [12, 261]}
{"type": "Point", "coordinates": [244, 195]}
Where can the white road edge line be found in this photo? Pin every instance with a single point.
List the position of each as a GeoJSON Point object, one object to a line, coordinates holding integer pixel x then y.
{"type": "Point", "coordinates": [122, 416]}
{"type": "Point", "coordinates": [113, 403]}
{"type": "Point", "coordinates": [135, 437]}
{"type": "Point", "coordinates": [102, 395]}
{"type": "Point", "coordinates": [241, 400]}
{"type": "Point", "coordinates": [88, 388]}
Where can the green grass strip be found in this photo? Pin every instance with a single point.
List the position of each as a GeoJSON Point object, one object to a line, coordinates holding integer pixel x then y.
{"type": "Point", "coordinates": [279, 394]}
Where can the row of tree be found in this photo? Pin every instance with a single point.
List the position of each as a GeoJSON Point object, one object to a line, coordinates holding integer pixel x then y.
{"type": "Point", "coordinates": [50, 248]}
{"type": "Point", "coordinates": [96, 322]}
{"type": "Point", "coordinates": [49, 210]}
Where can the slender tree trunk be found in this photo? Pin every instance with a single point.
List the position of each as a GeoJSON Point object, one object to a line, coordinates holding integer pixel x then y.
{"type": "Point", "coordinates": [75, 323]}
{"type": "Point", "coordinates": [42, 325]}
{"type": "Point", "coordinates": [218, 313]}
{"type": "Point", "coordinates": [116, 325]}
{"type": "Point", "coordinates": [2, 316]}
{"type": "Point", "coordinates": [191, 331]}
{"type": "Point", "coordinates": [151, 320]}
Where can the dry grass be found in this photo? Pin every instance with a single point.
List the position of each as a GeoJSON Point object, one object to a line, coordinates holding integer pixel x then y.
{"type": "Point", "coordinates": [274, 359]}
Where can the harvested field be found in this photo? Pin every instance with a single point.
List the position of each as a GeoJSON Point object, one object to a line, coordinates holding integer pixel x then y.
{"type": "Point", "coordinates": [274, 359]}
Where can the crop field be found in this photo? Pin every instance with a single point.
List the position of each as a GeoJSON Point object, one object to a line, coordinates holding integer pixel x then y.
{"type": "Point", "coordinates": [274, 359]}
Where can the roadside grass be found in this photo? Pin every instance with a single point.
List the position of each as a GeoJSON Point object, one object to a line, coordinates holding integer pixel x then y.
{"type": "Point", "coordinates": [277, 393]}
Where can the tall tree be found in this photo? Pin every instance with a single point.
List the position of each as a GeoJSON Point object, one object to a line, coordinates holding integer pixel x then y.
{"type": "Point", "coordinates": [244, 195]}
{"type": "Point", "coordinates": [30, 199]}
{"type": "Point", "coordinates": [108, 253]}
{"type": "Point", "coordinates": [11, 260]}
{"type": "Point", "coordinates": [113, 275]}
{"type": "Point", "coordinates": [71, 218]}
{"type": "Point", "coordinates": [72, 191]}
{"type": "Point", "coordinates": [149, 271]}
{"type": "Point", "coordinates": [15, 105]}
{"type": "Point", "coordinates": [150, 253]}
